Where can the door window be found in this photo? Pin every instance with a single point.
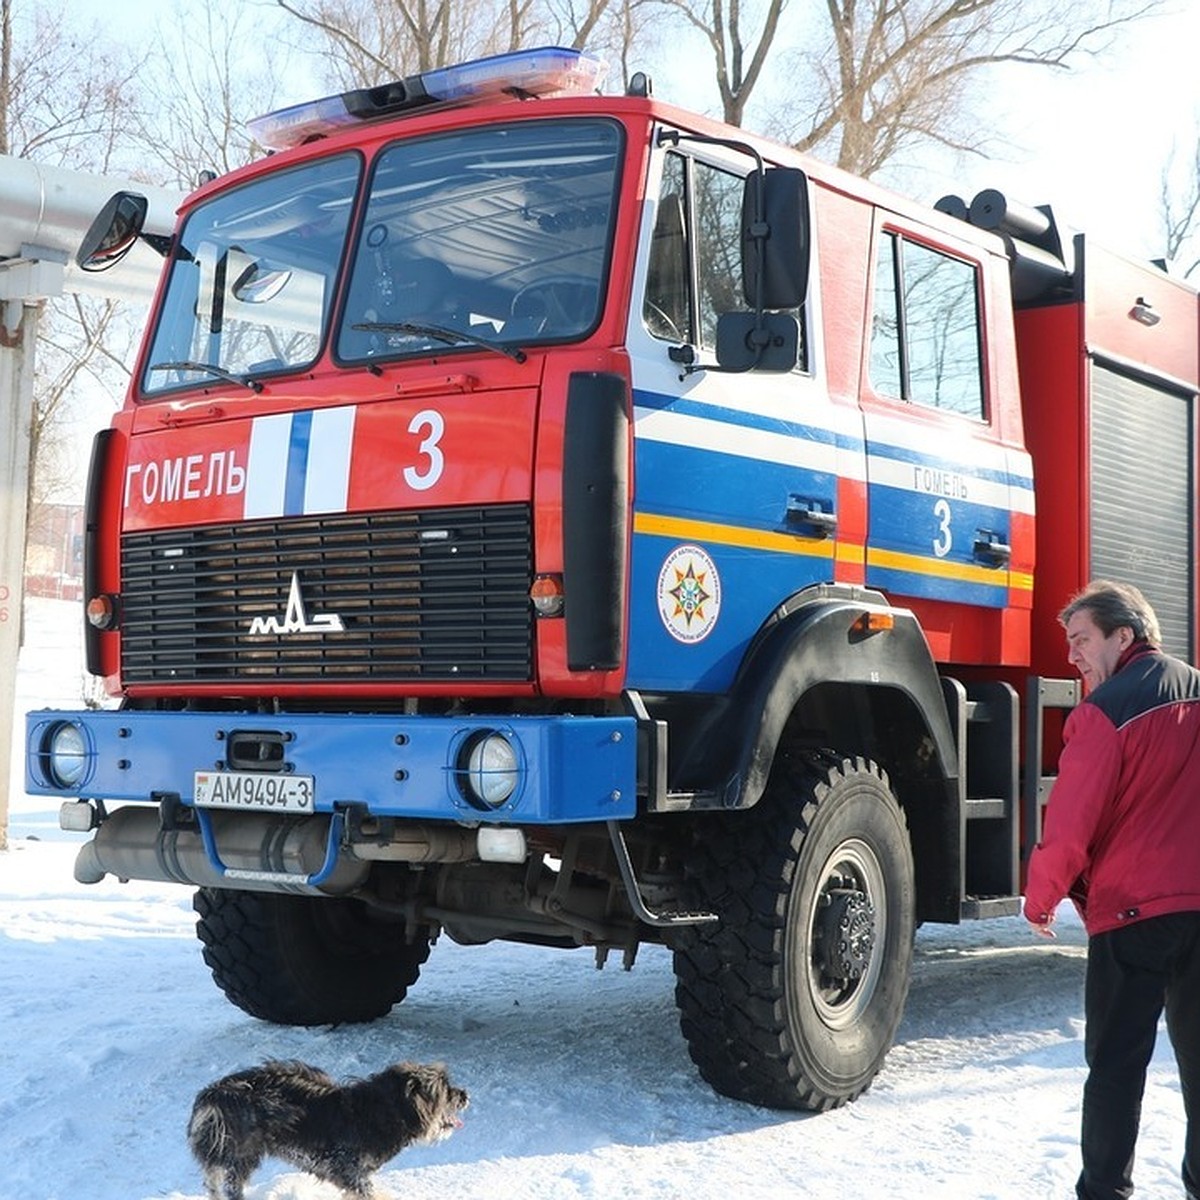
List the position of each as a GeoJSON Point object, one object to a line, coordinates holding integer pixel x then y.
{"type": "Point", "coordinates": [694, 273]}
{"type": "Point", "coordinates": [925, 332]}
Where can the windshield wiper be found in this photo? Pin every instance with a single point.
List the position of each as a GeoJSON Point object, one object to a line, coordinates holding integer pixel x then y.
{"type": "Point", "coordinates": [212, 369]}
{"type": "Point", "coordinates": [442, 333]}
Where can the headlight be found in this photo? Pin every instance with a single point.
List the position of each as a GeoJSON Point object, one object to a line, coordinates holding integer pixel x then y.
{"type": "Point", "coordinates": [66, 755]}
{"type": "Point", "coordinates": [488, 769]}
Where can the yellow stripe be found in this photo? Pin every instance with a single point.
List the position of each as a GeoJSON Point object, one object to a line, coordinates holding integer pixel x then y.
{"type": "Point", "coordinates": [731, 535]}
{"type": "Point", "coordinates": [789, 543]}
{"type": "Point", "coordinates": [941, 569]}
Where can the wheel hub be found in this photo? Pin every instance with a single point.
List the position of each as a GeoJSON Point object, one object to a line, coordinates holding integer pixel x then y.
{"type": "Point", "coordinates": [846, 933]}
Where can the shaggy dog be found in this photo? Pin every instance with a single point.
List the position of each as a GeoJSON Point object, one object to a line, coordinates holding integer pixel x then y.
{"type": "Point", "coordinates": [340, 1133]}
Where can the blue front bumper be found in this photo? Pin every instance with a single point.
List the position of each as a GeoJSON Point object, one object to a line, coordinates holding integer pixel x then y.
{"type": "Point", "coordinates": [571, 768]}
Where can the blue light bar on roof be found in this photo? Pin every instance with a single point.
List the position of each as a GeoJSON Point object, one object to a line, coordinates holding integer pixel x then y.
{"type": "Point", "coordinates": [547, 71]}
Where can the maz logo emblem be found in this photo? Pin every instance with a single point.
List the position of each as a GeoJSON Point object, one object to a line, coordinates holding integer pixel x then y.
{"type": "Point", "coordinates": [296, 619]}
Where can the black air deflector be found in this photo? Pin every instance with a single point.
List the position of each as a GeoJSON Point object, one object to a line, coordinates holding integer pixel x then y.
{"type": "Point", "coordinates": [101, 448]}
{"type": "Point", "coordinates": [595, 519]}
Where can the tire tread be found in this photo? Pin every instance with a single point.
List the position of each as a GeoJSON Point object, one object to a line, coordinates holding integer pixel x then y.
{"type": "Point", "coordinates": [729, 989]}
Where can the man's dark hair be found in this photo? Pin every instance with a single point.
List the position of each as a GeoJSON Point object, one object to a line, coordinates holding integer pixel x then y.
{"type": "Point", "coordinates": [1112, 605]}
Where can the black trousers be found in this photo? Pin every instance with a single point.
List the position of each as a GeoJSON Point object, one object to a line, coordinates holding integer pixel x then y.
{"type": "Point", "coordinates": [1133, 973]}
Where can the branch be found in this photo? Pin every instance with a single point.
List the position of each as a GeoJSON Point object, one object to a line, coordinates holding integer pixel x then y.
{"type": "Point", "coordinates": [341, 35]}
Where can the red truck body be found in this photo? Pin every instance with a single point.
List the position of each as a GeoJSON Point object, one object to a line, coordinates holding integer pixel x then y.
{"type": "Point", "coordinates": [575, 521]}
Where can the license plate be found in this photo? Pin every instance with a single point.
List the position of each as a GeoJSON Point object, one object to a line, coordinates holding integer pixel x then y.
{"type": "Point", "coordinates": [246, 789]}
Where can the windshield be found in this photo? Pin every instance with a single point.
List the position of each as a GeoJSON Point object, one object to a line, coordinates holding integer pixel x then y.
{"type": "Point", "coordinates": [252, 281]}
{"type": "Point", "coordinates": [496, 236]}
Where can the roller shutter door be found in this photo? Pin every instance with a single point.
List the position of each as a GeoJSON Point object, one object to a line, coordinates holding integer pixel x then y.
{"type": "Point", "coordinates": [1142, 489]}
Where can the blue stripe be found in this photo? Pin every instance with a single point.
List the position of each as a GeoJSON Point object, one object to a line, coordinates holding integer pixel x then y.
{"type": "Point", "coordinates": [906, 521]}
{"type": "Point", "coordinates": [707, 485]}
{"type": "Point", "coordinates": [297, 464]}
{"type": "Point", "coordinates": [933, 587]}
{"type": "Point", "coordinates": [661, 402]}
{"type": "Point", "coordinates": [753, 583]}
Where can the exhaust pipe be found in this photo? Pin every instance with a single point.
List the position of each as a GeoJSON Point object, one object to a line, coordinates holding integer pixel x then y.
{"type": "Point", "coordinates": [262, 850]}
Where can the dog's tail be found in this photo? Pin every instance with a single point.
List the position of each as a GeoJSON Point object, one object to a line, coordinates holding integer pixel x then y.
{"type": "Point", "coordinates": [207, 1131]}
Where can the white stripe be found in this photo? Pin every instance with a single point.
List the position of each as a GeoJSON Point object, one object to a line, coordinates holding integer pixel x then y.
{"type": "Point", "coordinates": [327, 482]}
{"type": "Point", "coordinates": [266, 468]}
{"type": "Point", "coordinates": [948, 443]}
{"type": "Point", "coordinates": [921, 481]}
{"type": "Point", "coordinates": [700, 433]}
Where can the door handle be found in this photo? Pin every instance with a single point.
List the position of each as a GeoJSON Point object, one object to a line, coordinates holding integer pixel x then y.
{"type": "Point", "coordinates": [808, 517]}
{"type": "Point", "coordinates": [990, 549]}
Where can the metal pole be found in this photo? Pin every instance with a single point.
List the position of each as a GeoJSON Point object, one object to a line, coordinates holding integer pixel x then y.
{"type": "Point", "coordinates": [18, 333]}
{"type": "Point", "coordinates": [44, 212]}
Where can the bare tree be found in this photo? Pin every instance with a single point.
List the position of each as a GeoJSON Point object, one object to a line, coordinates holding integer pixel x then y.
{"type": "Point", "coordinates": [362, 41]}
{"type": "Point", "coordinates": [872, 77]}
{"type": "Point", "coordinates": [64, 100]}
{"type": "Point", "coordinates": [63, 96]}
{"type": "Point", "coordinates": [203, 97]}
{"type": "Point", "coordinates": [6, 71]}
{"type": "Point", "coordinates": [895, 72]}
{"type": "Point", "coordinates": [741, 40]}
{"type": "Point", "coordinates": [85, 346]}
{"type": "Point", "coordinates": [1179, 210]}
{"type": "Point", "coordinates": [634, 36]}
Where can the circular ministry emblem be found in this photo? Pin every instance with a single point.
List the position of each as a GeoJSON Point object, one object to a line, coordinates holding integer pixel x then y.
{"type": "Point", "coordinates": [689, 594]}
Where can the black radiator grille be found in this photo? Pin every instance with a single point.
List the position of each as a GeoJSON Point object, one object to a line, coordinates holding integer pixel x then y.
{"type": "Point", "coordinates": [432, 595]}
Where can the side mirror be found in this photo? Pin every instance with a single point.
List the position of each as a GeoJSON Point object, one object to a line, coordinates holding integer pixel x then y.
{"type": "Point", "coordinates": [775, 238]}
{"type": "Point", "coordinates": [113, 233]}
{"type": "Point", "coordinates": [749, 341]}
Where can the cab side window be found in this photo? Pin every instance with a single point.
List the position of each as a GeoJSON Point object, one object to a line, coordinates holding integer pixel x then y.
{"type": "Point", "coordinates": [667, 304]}
{"type": "Point", "coordinates": [718, 197]}
{"type": "Point", "coordinates": [925, 333]}
{"type": "Point", "coordinates": [694, 273]}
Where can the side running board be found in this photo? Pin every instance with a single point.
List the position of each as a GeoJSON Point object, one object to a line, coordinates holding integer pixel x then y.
{"type": "Point", "coordinates": [633, 891]}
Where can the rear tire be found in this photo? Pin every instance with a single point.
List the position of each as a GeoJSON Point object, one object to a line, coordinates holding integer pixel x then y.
{"type": "Point", "coordinates": [305, 960]}
{"type": "Point", "coordinates": [792, 999]}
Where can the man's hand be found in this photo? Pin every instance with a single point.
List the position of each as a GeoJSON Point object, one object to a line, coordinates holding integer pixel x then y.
{"type": "Point", "coordinates": [1042, 924]}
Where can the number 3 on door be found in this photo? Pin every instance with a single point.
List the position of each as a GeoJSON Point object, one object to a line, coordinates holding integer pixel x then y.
{"type": "Point", "coordinates": [944, 539]}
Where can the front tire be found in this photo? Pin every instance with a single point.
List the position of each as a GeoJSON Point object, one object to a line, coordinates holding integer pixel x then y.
{"type": "Point", "coordinates": [305, 960]}
{"type": "Point", "coordinates": [793, 998]}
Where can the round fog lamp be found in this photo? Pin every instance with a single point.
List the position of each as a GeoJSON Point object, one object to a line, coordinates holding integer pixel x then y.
{"type": "Point", "coordinates": [67, 755]}
{"type": "Point", "coordinates": [490, 769]}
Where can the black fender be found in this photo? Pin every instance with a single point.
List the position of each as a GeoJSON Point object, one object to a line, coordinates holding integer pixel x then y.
{"type": "Point", "coordinates": [838, 668]}
{"type": "Point", "coordinates": [824, 641]}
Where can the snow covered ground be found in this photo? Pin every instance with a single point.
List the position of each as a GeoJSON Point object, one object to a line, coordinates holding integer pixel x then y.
{"type": "Point", "coordinates": [580, 1082]}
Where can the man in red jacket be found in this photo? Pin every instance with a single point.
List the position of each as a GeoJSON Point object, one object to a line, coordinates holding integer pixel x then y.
{"type": "Point", "coordinates": [1122, 839]}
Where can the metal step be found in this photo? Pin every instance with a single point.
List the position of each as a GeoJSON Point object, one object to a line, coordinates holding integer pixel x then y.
{"type": "Point", "coordinates": [984, 717]}
{"type": "Point", "coordinates": [976, 908]}
{"type": "Point", "coordinates": [985, 808]}
{"type": "Point", "coordinates": [660, 920]}
{"type": "Point", "coordinates": [1041, 696]}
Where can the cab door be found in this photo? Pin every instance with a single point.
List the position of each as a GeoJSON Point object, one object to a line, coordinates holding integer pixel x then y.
{"type": "Point", "coordinates": [739, 475]}
{"type": "Point", "coordinates": [947, 489]}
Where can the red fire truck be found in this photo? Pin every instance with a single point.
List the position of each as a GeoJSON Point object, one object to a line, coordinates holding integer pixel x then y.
{"type": "Point", "coordinates": [556, 517]}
